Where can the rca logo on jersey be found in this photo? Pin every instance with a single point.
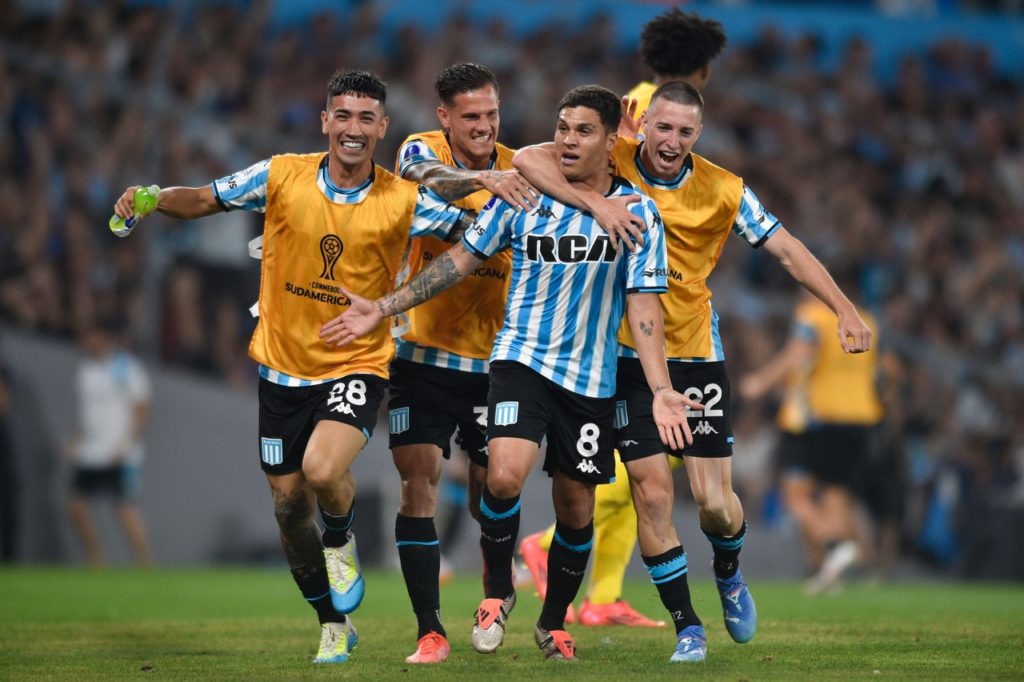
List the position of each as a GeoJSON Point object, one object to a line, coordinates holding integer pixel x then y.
{"type": "Point", "coordinates": [569, 248]}
{"type": "Point", "coordinates": [703, 429]}
{"type": "Point", "coordinates": [330, 250]}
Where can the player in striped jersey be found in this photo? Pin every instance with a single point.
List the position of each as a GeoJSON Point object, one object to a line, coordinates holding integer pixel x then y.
{"type": "Point", "coordinates": [701, 204]}
{"type": "Point", "coordinates": [553, 363]}
{"type": "Point", "coordinates": [675, 45]}
{"type": "Point", "coordinates": [328, 218]}
{"type": "Point", "coordinates": [439, 377]}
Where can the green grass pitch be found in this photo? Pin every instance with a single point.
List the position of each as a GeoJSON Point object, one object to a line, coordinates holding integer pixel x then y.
{"type": "Point", "coordinates": [252, 624]}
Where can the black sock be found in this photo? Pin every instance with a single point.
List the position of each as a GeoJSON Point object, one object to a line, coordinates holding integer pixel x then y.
{"type": "Point", "coordinates": [567, 562]}
{"type": "Point", "coordinates": [727, 551]}
{"type": "Point", "coordinates": [336, 527]}
{"type": "Point", "coordinates": [420, 556]}
{"type": "Point", "coordinates": [312, 582]}
{"type": "Point", "coordinates": [668, 573]}
{"type": "Point", "coordinates": [499, 528]}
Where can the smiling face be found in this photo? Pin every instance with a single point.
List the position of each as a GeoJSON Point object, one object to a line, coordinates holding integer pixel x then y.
{"type": "Point", "coordinates": [582, 145]}
{"type": "Point", "coordinates": [670, 130]}
{"type": "Point", "coordinates": [353, 125]}
{"type": "Point", "coordinates": [471, 121]}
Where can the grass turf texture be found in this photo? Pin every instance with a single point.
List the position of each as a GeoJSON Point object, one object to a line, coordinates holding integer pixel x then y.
{"type": "Point", "coordinates": [252, 624]}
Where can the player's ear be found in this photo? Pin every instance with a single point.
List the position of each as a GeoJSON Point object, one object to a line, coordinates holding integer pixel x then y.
{"type": "Point", "coordinates": [443, 119]}
{"type": "Point", "coordinates": [612, 138]}
{"type": "Point", "coordinates": [323, 122]}
{"type": "Point", "coordinates": [383, 127]}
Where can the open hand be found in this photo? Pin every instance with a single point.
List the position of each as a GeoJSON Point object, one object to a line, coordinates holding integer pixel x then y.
{"type": "Point", "coordinates": [512, 187]}
{"type": "Point", "coordinates": [670, 416]}
{"type": "Point", "coordinates": [615, 218]}
{"type": "Point", "coordinates": [361, 318]}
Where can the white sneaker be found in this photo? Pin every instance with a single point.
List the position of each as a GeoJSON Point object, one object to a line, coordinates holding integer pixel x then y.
{"type": "Point", "coordinates": [337, 640]}
{"type": "Point", "coordinates": [344, 576]}
{"type": "Point", "coordinates": [489, 625]}
{"type": "Point", "coordinates": [836, 563]}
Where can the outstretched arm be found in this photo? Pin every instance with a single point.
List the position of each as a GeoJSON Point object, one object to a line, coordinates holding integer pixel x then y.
{"type": "Point", "coordinates": [540, 166]}
{"type": "Point", "coordinates": [795, 353]}
{"type": "Point", "coordinates": [452, 183]}
{"type": "Point", "coordinates": [854, 334]}
{"type": "Point", "coordinates": [176, 202]}
{"type": "Point", "coordinates": [645, 321]}
{"type": "Point", "coordinates": [364, 315]}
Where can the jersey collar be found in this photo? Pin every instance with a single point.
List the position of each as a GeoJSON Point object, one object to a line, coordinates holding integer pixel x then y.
{"type": "Point", "coordinates": [338, 195]}
{"type": "Point", "coordinates": [675, 183]}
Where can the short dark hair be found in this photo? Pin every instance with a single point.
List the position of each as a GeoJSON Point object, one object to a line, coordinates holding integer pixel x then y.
{"type": "Point", "coordinates": [677, 43]}
{"type": "Point", "coordinates": [463, 77]}
{"type": "Point", "coordinates": [600, 99]}
{"type": "Point", "coordinates": [360, 83]}
{"type": "Point", "coordinates": [679, 92]}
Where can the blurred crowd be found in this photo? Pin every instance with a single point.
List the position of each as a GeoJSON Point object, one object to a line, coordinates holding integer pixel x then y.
{"type": "Point", "coordinates": [910, 179]}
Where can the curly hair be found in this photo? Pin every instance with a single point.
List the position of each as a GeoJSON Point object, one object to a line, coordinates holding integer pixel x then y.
{"type": "Point", "coordinates": [677, 43]}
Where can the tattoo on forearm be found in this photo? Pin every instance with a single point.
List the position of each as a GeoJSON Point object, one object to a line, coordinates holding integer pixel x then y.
{"type": "Point", "coordinates": [647, 328]}
{"type": "Point", "coordinates": [452, 183]}
{"type": "Point", "coordinates": [429, 282]}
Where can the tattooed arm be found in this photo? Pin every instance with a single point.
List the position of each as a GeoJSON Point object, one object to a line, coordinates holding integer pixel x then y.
{"type": "Point", "coordinates": [464, 223]}
{"type": "Point", "coordinates": [363, 315]}
{"type": "Point", "coordinates": [645, 321]}
{"type": "Point", "coordinates": [452, 183]}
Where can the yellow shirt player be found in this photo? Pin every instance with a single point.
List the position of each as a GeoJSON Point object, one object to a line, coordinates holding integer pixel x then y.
{"type": "Point", "coordinates": [333, 223]}
{"type": "Point", "coordinates": [439, 378]}
{"type": "Point", "coordinates": [701, 205]}
{"type": "Point", "coordinates": [828, 416]}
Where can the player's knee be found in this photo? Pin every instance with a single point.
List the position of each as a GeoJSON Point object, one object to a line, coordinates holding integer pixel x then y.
{"type": "Point", "coordinates": [574, 513]}
{"type": "Point", "coordinates": [504, 484]}
{"type": "Point", "coordinates": [419, 494]}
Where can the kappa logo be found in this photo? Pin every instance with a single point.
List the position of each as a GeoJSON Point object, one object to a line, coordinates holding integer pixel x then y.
{"type": "Point", "coordinates": [587, 467]}
{"type": "Point", "coordinates": [704, 429]}
{"type": "Point", "coordinates": [543, 212]}
{"type": "Point", "coordinates": [627, 443]}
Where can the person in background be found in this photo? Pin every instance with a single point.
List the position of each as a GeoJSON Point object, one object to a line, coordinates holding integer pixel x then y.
{"type": "Point", "coordinates": [113, 391]}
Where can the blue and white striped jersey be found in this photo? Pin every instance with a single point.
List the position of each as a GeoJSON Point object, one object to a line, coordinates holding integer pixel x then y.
{"type": "Point", "coordinates": [569, 286]}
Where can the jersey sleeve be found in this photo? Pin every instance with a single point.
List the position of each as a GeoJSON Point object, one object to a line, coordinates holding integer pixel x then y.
{"type": "Point", "coordinates": [434, 216]}
{"type": "Point", "coordinates": [753, 222]}
{"type": "Point", "coordinates": [246, 189]}
{"type": "Point", "coordinates": [647, 268]}
{"type": "Point", "coordinates": [804, 328]}
{"type": "Point", "coordinates": [412, 153]}
{"type": "Point", "coordinates": [492, 231]}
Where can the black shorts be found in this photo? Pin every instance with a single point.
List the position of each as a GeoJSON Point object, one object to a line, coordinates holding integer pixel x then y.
{"type": "Point", "coordinates": [706, 382]}
{"type": "Point", "coordinates": [427, 404]}
{"type": "Point", "coordinates": [833, 454]}
{"type": "Point", "coordinates": [523, 404]}
{"type": "Point", "coordinates": [288, 415]}
{"type": "Point", "coordinates": [120, 481]}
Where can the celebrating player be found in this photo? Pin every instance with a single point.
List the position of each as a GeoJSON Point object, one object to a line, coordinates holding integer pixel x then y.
{"type": "Point", "coordinates": [701, 204]}
{"type": "Point", "coordinates": [328, 218]}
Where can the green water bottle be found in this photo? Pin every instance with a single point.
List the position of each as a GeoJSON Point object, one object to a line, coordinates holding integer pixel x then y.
{"type": "Point", "coordinates": [145, 203]}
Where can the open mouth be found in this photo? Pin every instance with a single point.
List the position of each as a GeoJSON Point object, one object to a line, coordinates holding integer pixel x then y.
{"type": "Point", "coordinates": [668, 158]}
{"type": "Point", "coordinates": [568, 158]}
